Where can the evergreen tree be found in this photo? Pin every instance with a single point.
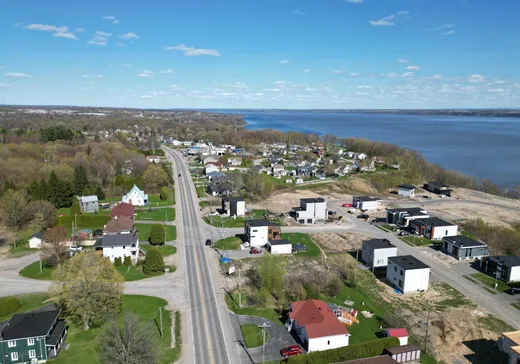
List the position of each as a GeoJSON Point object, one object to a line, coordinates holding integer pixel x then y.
{"type": "Point", "coordinates": [99, 192]}
{"type": "Point", "coordinates": [54, 190]}
{"type": "Point", "coordinates": [34, 190]}
{"type": "Point", "coordinates": [118, 169]}
{"type": "Point", "coordinates": [153, 262]}
{"type": "Point", "coordinates": [164, 194]}
{"type": "Point", "coordinates": [75, 208]}
{"type": "Point", "coordinates": [89, 150]}
{"type": "Point", "coordinates": [157, 234]}
{"type": "Point", "coordinates": [44, 190]}
{"type": "Point", "coordinates": [88, 190]}
{"type": "Point", "coordinates": [80, 179]}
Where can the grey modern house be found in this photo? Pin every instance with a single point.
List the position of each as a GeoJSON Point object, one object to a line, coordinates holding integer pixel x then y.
{"type": "Point", "coordinates": [463, 248]}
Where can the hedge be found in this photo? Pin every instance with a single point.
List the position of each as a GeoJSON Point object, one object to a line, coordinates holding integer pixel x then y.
{"type": "Point", "coordinates": [366, 349]}
{"type": "Point", "coordinates": [84, 221]}
{"type": "Point", "coordinates": [8, 305]}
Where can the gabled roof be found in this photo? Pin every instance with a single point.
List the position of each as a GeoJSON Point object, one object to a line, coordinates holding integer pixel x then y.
{"type": "Point", "coordinates": [216, 174]}
{"type": "Point", "coordinates": [38, 235]}
{"type": "Point", "coordinates": [318, 319]}
{"type": "Point", "coordinates": [31, 324]}
{"type": "Point", "coordinates": [123, 209]}
{"type": "Point", "coordinates": [398, 332]}
{"type": "Point", "coordinates": [115, 240]}
{"type": "Point", "coordinates": [84, 199]}
{"type": "Point", "coordinates": [122, 223]}
{"type": "Point", "coordinates": [136, 190]}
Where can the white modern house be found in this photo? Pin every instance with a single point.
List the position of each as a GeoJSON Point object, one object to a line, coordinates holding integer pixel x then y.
{"type": "Point", "coordinates": [406, 190]}
{"type": "Point", "coordinates": [408, 274]}
{"type": "Point", "coordinates": [403, 216]}
{"type": "Point", "coordinates": [114, 246]}
{"type": "Point", "coordinates": [366, 203]}
{"type": "Point", "coordinates": [234, 161]}
{"type": "Point", "coordinates": [136, 197]}
{"type": "Point", "coordinates": [433, 228]}
{"type": "Point", "coordinates": [317, 327]}
{"type": "Point", "coordinates": [311, 210]}
{"type": "Point", "coordinates": [234, 206]}
{"type": "Point", "coordinates": [36, 240]}
{"type": "Point", "coordinates": [375, 252]}
{"type": "Point", "coordinates": [88, 203]}
{"type": "Point", "coordinates": [280, 246]}
{"type": "Point", "coordinates": [260, 231]}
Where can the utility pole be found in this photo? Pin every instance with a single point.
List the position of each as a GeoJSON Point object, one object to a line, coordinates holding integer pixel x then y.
{"type": "Point", "coordinates": [263, 327]}
{"type": "Point", "coordinates": [427, 328]}
{"type": "Point", "coordinates": [165, 226]}
{"type": "Point", "coordinates": [160, 318]}
{"type": "Point", "coordinates": [239, 291]}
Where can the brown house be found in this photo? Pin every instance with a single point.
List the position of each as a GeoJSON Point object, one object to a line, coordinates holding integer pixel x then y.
{"type": "Point", "coordinates": [119, 225]}
{"type": "Point", "coordinates": [123, 209]}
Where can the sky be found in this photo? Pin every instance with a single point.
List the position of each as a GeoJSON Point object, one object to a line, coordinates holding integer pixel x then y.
{"type": "Point", "coordinates": [291, 54]}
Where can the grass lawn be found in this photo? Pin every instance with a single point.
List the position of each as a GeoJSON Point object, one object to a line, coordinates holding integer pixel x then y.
{"type": "Point", "coordinates": [110, 199]}
{"type": "Point", "coordinates": [229, 243]}
{"type": "Point", "coordinates": [489, 282]}
{"type": "Point", "coordinates": [156, 214]}
{"type": "Point", "coordinates": [132, 273]}
{"type": "Point", "coordinates": [144, 232]}
{"type": "Point", "coordinates": [300, 238]}
{"type": "Point", "coordinates": [269, 313]}
{"type": "Point", "coordinates": [425, 359]}
{"type": "Point", "coordinates": [201, 192]}
{"type": "Point", "coordinates": [22, 248]}
{"type": "Point", "coordinates": [28, 302]}
{"type": "Point", "coordinates": [388, 227]}
{"type": "Point", "coordinates": [164, 249]}
{"type": "Point", "coordinates": [33, 271]}
{"type": "Point", "coordinates": [203, 203]}
{"type": "Point", "coordinates": [66, 211]}
{"type": "Point", "coordinates": [224, 221]}
{"type": "Point", "coordinates": [82, 344]}
{"type": "Point", "coordinates": [252, 335]}
{"type": "Point", "coordinates": [155, 200]}
{"type": "Point", "coordinates": [416, 241]}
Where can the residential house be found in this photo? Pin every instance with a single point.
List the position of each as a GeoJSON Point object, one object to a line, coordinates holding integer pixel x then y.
{"type": "Point", "coordinates": [400, 333]}
{"type": "Point", "coordinates": [510, 344]}
{"type": "Point", "coordinates": [439, 188]}
{"type": "Point", "coordinates": [433, 228]}
{"type": "Point", "coordinates": [265, 152]}
{"type": "Point", "coordinates": [275, 160]}
{"type": "Point", "coordinates": [408, 274]}
{"type": "Point", "coordinates": [113, 246]}
{"type": "Point", "coordinates": [234, 206]}
{"type": "Point", "coordinates": [366, 203]}
{"type": "Point", "coordinates": [311, 210]}
{"type": "Point", "coordinates": [119, 225]}
{"type": "Point", "coordinates": [217, 177]}
{"type": "Point", "coordinates": [344, 169]}
{"type": "Point", "coordinates": [36, 240]}
{"type": "Point", "coordinates": [463, 248]}
{"type": "Point", "coordinates": [153, 159]}
{"type": "Point", "coordinates": [32, 337]}
{"type": "Point", "coordinates": [122, 209]}
{"type": "Point", "coordinates": [234, 161]}
{"type": "Point", "coordinates": [136, 197]}
{"type": "Point", "coordinates": [375, 252]}
{"type": "Point", "coordinates": [210, 159]}
{"type": "Point", "coordinates": [88, 203]}
{"type": "Point", "coordinates": [360, 156]}
{"type": "Point", "coordinates": [306, 171]}
{"type": "Point", "coordinates": [259, 232]}
{"type": "Point", "coordinates": [277, 168]}
{"type": "Point", "coordinates": [280, 246]}
{"type": "Point", "coordinates": [504, 267]}
{"type": "Point", "coordinates": [406, 190]}
{"type": "Point", "coordinates": [317, 326]}
{"type": "Point", "coordinates": [403, 216]}
{"type": "Point", "coordinates": [404, 354]}
{"type": "Point", "coordinates": [219, 189]}
{"type": "Point", "coordinates": [350, 154]}
{"type": "Point", "coordinates": [210, 167]}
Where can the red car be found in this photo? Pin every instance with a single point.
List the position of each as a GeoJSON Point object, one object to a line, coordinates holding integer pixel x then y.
{"type": "Point", "coordinates": [291, 350]}
{"type": "Point", "coordinates": [255, 251]}
{"type": "Point", "coordinates": [346, 205]}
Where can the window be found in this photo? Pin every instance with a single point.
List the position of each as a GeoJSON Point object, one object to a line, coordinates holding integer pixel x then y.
{"type": "Point", "coordinates": [14, 356]}
{"type": "Point", "coordinates": [32, 354]}
{"type": "Point", "coordinates": [30, 341]}
{"type": "Point", "coordinates": [395, 268]}
{"type": "Point", "coordinates": [328, 342]}
{"type": "Point", "coordinates": [401, 284]}
{"type": "Point", "coordinates": [401, 272]}
{"type": "Point", "coordinates": [11, 343]}
{"type": "Point", "coordinates": [124, 247]}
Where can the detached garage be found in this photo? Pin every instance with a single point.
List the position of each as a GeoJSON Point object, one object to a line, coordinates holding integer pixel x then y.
{"type": "Point", "coordinates": [280, 246]}
{"type": "Point", "coordinates": [36, 240]}
{"type": "Point", "coordinates": [405, 353]}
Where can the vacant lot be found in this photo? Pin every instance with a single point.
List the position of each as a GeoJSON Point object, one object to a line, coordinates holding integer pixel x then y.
{"type": "Point", "coordinates": [158, 214]}
{"type": "Point", "coordinates": [229, 243]}
{"type": "Point", "coordinates": [339, 243]}
{"type": "Point", "coordinates": [252, 335]}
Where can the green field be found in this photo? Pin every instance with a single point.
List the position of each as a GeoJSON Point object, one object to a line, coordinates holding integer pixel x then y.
{"type": "Point", "coordinates": [131, 273]}
{"type": "Point", "coordinates": [66, 211]}
{"type": "Point", "coordinates": [201, 191]}
{"type": "Point", "coordinates": [28, 302]}
{"type": "Point", "coordinates": [165, 250]}
{"type": "Point", "coordinates": [489, 282]}
{"type": "Point", "coordinates": [252, 335]}
{"type": "Point", "coordinates": [224, 221]}
{"type": "Point", "coordinates": [144, 232]}
{"type": "Point", "coordinates": [33, 271]}
{"type": "Point", "coordinates": [155, 200]}
{"type": "Point", "coordinates": [229, 243]}
{"type": "Point", "coordinates": [300, 238]}
{"type": "Point", "coordinates": [156, 214]}
{"type": "Point", "coordinates": [269, 313]}
{"type": "Point", "coordinates": [417, 241]}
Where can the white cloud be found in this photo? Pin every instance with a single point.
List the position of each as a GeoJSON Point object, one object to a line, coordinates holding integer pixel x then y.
{"type": "Point", "coordinates": [297, 12]}
{"type": "Point", "coordinates": [146, 73]}
{"type": "Point", "coordinates": [79, 30]}
{"type": "Point", "coordinates": [112, 18]}
{"type": "Point", "coordinates": [191, 51]}
{"type": "Point", "coordinates": [383, 22]}
{"type": "Point", "coordinates": [338, 72]}
{"type": "Point", "coordinates": [364, 86]}
{"type": "Point", "coordinates": [283, 61]}
{"type": "Point", "coordinates": [435, 77]}
{"type": "Point", "coordinates": [126, 65]}
{"type": "Point", "coordinates": [403, 12]}
{"type": "Point", "coordinates": [4, 85]}
{"type": "Point", "coordinates": [100, 38]}
{"type": "Point", "coordinates": [120, 44]}
{"type": "Point", "coordinates": [449, 32]}
{"type": "Point", "coordinates": [442, 27]}
{"type": "Point", "coordinates": [413, 68]}
{"type": "Point", "coordinates": [402, 60]}
{"type": "Point", "coordinates": [68, 35]}
{"type": "Point", "coordinates": [307, 71]}
{"type": "Point", "coordinates": [407, 74]}
{"type": "Point", "coordinates": [355, 1]}
{"type": "Point", "coordinates": [116, 21]}
{"type": "Point", "coordinates": [87, 82]}
{"type": "Point", "coordinates": [99, 76]}
{"type": "Point", "coordinates": [15, 74]}
{"type": "Point", "coordinates": [47, 28]}
{"type": "Point", "coordinates": [476, 78]}
{"type": "Point", "coordinates": [167, 72]}
{"type": "Point", "coordinates": [354, 74]}
{"type": "Point", "coordinates": [129, 35]}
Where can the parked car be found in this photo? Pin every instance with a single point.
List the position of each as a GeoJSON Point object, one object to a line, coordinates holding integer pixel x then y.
{"type": "Point", "coordinates": [255, 251]}
{"type": "Point", "coordinates": [363, 216]}
{"type": "Point", "coordinates": [403, 233]}
{"type": "Point", "coordinates": [75, 248]}
{"type": "Point", "coordinates": [291, 351]}
{"type": "Point", "coordinates": [179, 175]}
{"type": "Point", "coordinates": [512, 291]}
{"type": "Point", "coordinates": [346, 205]}
{"type": "Point", "coordinates": [209, 242]}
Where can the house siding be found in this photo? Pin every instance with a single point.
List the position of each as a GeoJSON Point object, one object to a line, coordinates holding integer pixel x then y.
{"type": "Point", "coordinates": [327, 343]}
{"type": "Point", "coordinates": [22, 348]}
{"type": "Point", "coordinates": [377, 257]}
{"type": "Point", "coordinates": [257, 235]}
{"type": "Point", "coordinates": [412, 280]}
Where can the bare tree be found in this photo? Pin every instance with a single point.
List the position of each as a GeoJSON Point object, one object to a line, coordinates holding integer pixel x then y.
{"type": "Point", "coordinates": [54, 251]}
{"type": "Point", "coordinates": [128, 343]}
{"type": "Point", "coordinates": [14, 209]}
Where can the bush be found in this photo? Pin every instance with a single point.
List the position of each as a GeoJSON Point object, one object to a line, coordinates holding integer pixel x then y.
{"type": "Point", "coordinates": [128, 261]}
{"type": "Point", "coordinates": [157, 234]}
{"type": "Point", "coordinates": [75, 208]}
{"type": "Point", "coordinates": [164, 194]}
{"type": "Point", "coordinates": [8, 305]}
{"type": "Point", "coordinates": [153, 263]}
{"type": "Point", "coordinates": [118, 262]}
{"type": "Point", "coordinates": [367, 349]}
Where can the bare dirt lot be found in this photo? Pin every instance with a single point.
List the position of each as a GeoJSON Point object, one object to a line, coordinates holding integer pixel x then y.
{"type": "Point", "coordinates": [339, 243]}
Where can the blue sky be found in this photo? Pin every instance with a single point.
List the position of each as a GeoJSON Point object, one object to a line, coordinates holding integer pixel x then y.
{"type": "Point", "coordinates": [261, 54]}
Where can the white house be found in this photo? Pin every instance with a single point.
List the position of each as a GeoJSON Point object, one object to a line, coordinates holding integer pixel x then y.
{"type": "Point", "coordinates": [406, 190]}
{"type": "Point", "coordinates": [260, 231]}
{"type": "Point", "coordinates": [403, 216]}
{"type": "Point", "coordinates": [88, 203]}
{"type": "Point", "coordinates": [310, 210]}
{"type": "Point", "coordinates": [118, 246]}
{"type": "Point", "coordinates": [366, 203]}
{"type": "Point", "coordinates": [234, 161]}
{"type": "Point", "coordinates": [208, 168]}
{"type": "Point", "coordinates": [400, 333]}
{"type": "Point", "coordinates": [408, 274]}
{"type": "Point", "coordinates": [510, 344]}
{"type": "Point", "coordinates": [136, 197]}
{"type": "Point", "coordinates": [433, 228]}
{"type": "Point", "coordinates": [210, 159]}
{"type": "Point", "coordinates": [375, 252]}
{"type": "Point", "coordinates": [153, 159]}
{"type": "Point", "coordinates": [234, 206]}
{"type": "Point", "coordinates": [317, 327]}
{"type": "Point", "coordinates": [280, 246]}
{"type": "Point", "coordinates": [36, 240]}
{"type": "Point", "coordinates": [360, 156]}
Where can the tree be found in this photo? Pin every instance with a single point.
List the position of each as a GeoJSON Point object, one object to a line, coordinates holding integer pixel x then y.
{"type": "Point", "coordinates": [271, 271]}
{"type": "Point", "coordinates": [127, 261]}
{"type": "Point", "coordinates": [46, 209]}
{"type": "Point", "coordinates": [80, 179]}
{"type": "Point", "coordinates": [329, 169]}
{"type": "Point", "coordinates": [157, 234]}
{"type": "Point", "coordinates": [164, 194]}
{"type": "Point", "coordinates": [153, 262]}
{"type": "Point", "coordinates": [99, 192]}
{"type": "Point", "coordinates": [128, 343]}
{"type": "Point", "coordinates": [14, 209]}
{"type": "Point", "coordinates": [90, 288]}
{"type": "Point", "coordinates": [75, 208]}
{"type": "Point", "coordinates": [118, 261]}
{"type": "Point", "coordinates": [155, 177]}
{"type": "Point", "coordinates": [54, 251]}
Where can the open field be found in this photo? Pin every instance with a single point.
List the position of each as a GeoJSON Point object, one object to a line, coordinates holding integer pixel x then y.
{"type": "Point", "coordinates": [162, 214]}
{"type": "Point", "coordinates": [229, 243]}
{"type": "Point", "coordinates": [339, 243]}
{"type": "Point", "coordinates": [28, 302]}
{"type": "Point", "coordinates": [299, 238]}
{"type": "Point", "coordinates": [165, 250]}
{"type": "Point", "coordinates": [144, 232]}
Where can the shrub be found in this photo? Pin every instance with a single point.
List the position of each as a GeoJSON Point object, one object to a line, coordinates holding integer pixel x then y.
{"type": "Point", "coordinates": [157, 234]}
{"type": "Point", "coordinates": [75, 208]}
{"type": "Point", "coordinates": [8, 305]}
{"type": "Point", "coordinates": [118, 262]}
{"type": "Point", "coordinates": [153, 262]}
{"type": "Point", "coordinates": [128, 261]}
{"type": "Point", "coordinates": [366, 349]}
{"type": "Point", "coordinates": [164, 194]}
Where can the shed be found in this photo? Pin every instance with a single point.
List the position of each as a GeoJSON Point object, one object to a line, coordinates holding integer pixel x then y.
{"type": "Point", "coordinates": [280, 246]}
{"type": "Point", "coordinates": [400, 333]}
{"type": "Point", "coordinates": [36, 240]}
{"type": "Point", "coordinates": [405, 353]}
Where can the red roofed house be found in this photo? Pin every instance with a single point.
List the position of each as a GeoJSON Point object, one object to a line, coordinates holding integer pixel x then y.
{"type": "Point", "coordinates": [400, 333]}
{"type": "Point", "coordinates": [123, 209]}
{"type": "Point", "coordinates": [317, 326]}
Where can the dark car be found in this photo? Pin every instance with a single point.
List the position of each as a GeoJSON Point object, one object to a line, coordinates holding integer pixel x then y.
{"type": "Point", "coordinates": [209, 242]}
{"type": "Point", "coordinates": [512, 291]}
{"type": "Point", "coordinates": [290, 351]}
{"type": "Point", "coordinates": [363, 216]}
{"type": "Point", "coordinates": [179, 175]}
{"type": "Point", "coordinates": [255, 251]}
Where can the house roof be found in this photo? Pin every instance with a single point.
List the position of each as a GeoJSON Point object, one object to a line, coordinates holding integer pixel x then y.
{"type": "Point", "coordinates": [383, 359]}
{"type": "Point", "coordinates": [436, 184]}
{"type": "Point", "coordinates": [366, 198]}
{"type": "Point", "coordinates": [38, 235]}
{"type": "Point", "coordinates": [279, 242]}
{"type": "Point", "coordinates": [233, 199]}
{"type": "Point", "coordinates": [259, 222]}
{"type": "Point", "coordinates": [462, 241]}
{"type": "Point", "coordinates": [138, 191]}
{"type": "Point", "coordinates": [507, 260]}
{"type": "Point", "coordinates": [218, 188]}
{"type": "Point", "coordinates": [115, 240]}
{"type": "Point", "coordinates": [403, 349]}
{"type": "Point", "coordinates": [378, 243]}
{"type": "Point", "coordinates": [122, 223]}
{"type": "Point", "coordinates": [514, 336]}
{"type": "Point", "coordinates": [406, 209]}
{"type": "Point", "coordinates": [406, 187]}
{"type": "Point", "coordinates": [216, 174]}
{"type": "Point", "coordinates": [312, 200]}
{"type": "Point", "coordinates": [397, 332]}
{"type": "Point", "coordinates": [318, 319]}
{"type": "Point", "coordinates": [31, 324]}
{"type": "Point", "coordinates": [434, 221]}
{"type": "Point", "coordinates": [123, 209]}
{"type": "Point", "coordinates": [84, 199]}
{"type": "Point", "coordinates": [407, 262]}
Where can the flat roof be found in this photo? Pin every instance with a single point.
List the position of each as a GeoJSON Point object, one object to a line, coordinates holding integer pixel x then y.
{"type": "Point", "coordinates": [383, 359]}
{"type": "Point", "coordinates": [233, 199]}
{"type": "Point", "coordinates": [438, 184]}
{"type": "Point", "coordinates": [403, 349]}
{"type": "Point", "coordinates": [435, 221]}
{"type": "Point", "coordinates": [312, 200]}
{"type": "Point", "coordinates": [408, 187]}
{"type": "Point", "coordinates": [378, 243]}
{"type": "Point", "coordinates": [279, 242]}
{"type": "Point", "coordinates": [406, 209]}
{"type": "Point", "coordinates": [260, 222]}
{"type": "Point", "coordinates": [462, 241]}
{"type": "Point", "coordinates": [514, 336]}
{"type": "Point", "coordinates": [366, 198]}
{"type": "Point", "coordinates": [407, 262]}
{"type": "Point", "coordinates": [507, 260]}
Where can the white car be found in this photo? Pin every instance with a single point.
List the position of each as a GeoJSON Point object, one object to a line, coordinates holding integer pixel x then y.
{"type": "Point", "coordinates": [75, 248]}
